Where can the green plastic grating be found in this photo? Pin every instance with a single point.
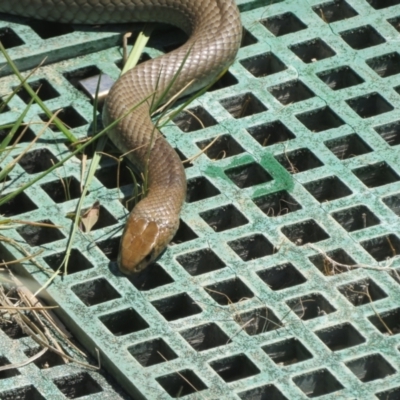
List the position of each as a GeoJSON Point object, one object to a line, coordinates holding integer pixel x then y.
{"type": "Point", "coordinates": [305, 169]}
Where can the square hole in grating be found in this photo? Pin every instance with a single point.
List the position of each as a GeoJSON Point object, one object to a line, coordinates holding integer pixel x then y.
{"type": "Point", "coordinates": [12, 330]}
{"type": "Point", "coordinates": [340, 78]}
{"type": "Point", "coordinates": [36, 235]}
{"type": "Point", "coordinates": [79, 385]}
{"type": "Point", "coordinates": [9, 38]}
{"type": "Point", "coordinates": [200, 188]}
{"type": "Point", "coordinates": [151, 277]}
{"type": "Point", "coordinates": [205, 337]}
{"type": "Point", "coordinates": [287, 352]}
{"type": "Point", "coordinates": [383, 247]}
{"type": "Point", "coordinates": [329, 264]}
{"type": "Point", "coordinates": [277, 204]}
{"type": "Point", "coordinates": [370, 368]}
{"type": "Point", "coordinates": [335, 10]}
{"type": "Point", "coordinates": [388, 322]}
{"type": "Point", "coordinates": [369, 105]}
{"type": "Point", "coordinates": [281, 276]}
{"type": "Point", "coordinates": [37, 161]}
{"type": "Point", "coordinates": [233, 368]}
{"type": "Point", "coordinates": [379, 4]}
{"type": "Point", "coordinates": [182, 157]}
{"type": "Point", "coordinates": [176, 307]}
{"type": "Point", "coordinates": [395, 22]}
{"type": "Point", "coordinates": [266, 392]}
{"type": "Point", "coordinates": [104, 218]}
{"type": "Point", "coordinates": [200, 262]}
{"type": "Point", "coordinates": [291, 92]}
{"type": "Point", "coordinates": [183, 234]}
{"type": "Point", "coordinates": [393, 202]}
{"type": "Point", "coordinates": [362, 37]}
{"type": "Point", "coordinates": [317, 383]}
{"type": "Point", "coordinates": [113, 177]}
{"type": "Point", "coordinates": [73, 77]}
{"type": "Point", "coordinates": [312, 50]}
{"type": "Point", "coordinates": [69, 116]}
{"type": "Point", "coordinates": [63, 189]}
{"type": "Point", "coordinates": [271, 133]}
{"type": "Point", "coordinates": [8, 373]}
{"type": "Point", "coordinates": [310, 306]}
{"type": "Point", "coordinates": [23, 134]}
{"type": "Point", "coordinates": [194, 119]}
{"type": "Point", "coordinates": [263, 65]}
{"type": "Point", "coordinates": [390, 133]}
{"type": "Point", "coordinates": [42, 88]}
{"type": "Point", "coordinates": [362, 292]}
{"type": "Point", "coordinates": [153, 352]}
{"type": "Point", "coordinates": [257, 321]}
{"type": "Point", "coordinates": [348, 146]}
{"type": "Point", "coordinates": [355, 218]}
{"type": "Point", "coordinates": [23, 393]}
{"type": "Point", "coordinates": [47, 360]}
{"type": "Point", "coordinates": [339, 337]}
{"type": "Point", "coordinates": [225, 81]}
{"type": "Point", "coordinates": [375, 175]}
{"type": "Point", "coordinates": [385, 65]}
{"type": "Point", "coordinates": [47, 30]}
{"type": "Point", "coordinates": [223, 218]}
{"type": "Point", "coordinates": [248, 175]}
{"type": "Point", "coordinates": [229, 292]}
{"type": "Point", "coordinates": [283, 24]}
{"type": "Point", "coordinates": [304, 232]}
{"type": "Point", "coordinates": [320, 120]}
{"type": "Point", "coordinates": [19, 204]}
{"type": "Point", "coordinates": [221, 147]}
{"type": "Point", "coordinates": [299, 160]}
{"type": "Point", "coordinates": [243, 105]}
{"type": "Point", "coordinates": [124, 322]}
{"type": "Point", "coordinates": [77, 261]}
{"type": "Point", "coordinates": [247, 38]}
{"type": "Point", "coordinates": [391, 394]}
{"type": "Point", "coordinates": [181, 383]}
{"type": "Point", "coordinates": [110, 248]}
{"type": "Point", "coordinates": [94, 292]}
{"type": "Point", "coordinates": [327, 189]}
{"type": "Point", "coordinates": [252, 247]}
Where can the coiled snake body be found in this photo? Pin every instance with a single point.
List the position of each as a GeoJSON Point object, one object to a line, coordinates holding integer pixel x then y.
{"type": "Point", "coordinates": [214, 31]}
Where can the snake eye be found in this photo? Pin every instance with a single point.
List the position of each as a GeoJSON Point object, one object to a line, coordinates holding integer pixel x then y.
{"type": "Point", "coordinates": [149, 257]}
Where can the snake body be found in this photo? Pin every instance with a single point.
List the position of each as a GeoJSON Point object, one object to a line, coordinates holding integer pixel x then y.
{"type": "Point", "coordinates": [214, 31]}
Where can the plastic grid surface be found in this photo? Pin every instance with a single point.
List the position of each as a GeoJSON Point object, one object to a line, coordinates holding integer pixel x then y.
{"type": "Point", "coordinates": [304, 169]}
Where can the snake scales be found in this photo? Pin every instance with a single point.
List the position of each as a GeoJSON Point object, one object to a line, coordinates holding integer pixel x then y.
{"type": "Point", "coordinates": [214, 31]}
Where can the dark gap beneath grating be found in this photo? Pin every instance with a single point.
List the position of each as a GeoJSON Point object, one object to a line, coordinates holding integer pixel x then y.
{"type": "Point", "coordinates": [9, 38]}
{"type": "Point", "coordinates": [379, 4]}
{"type": "Point", "coordinates": [153, 352]}
{"type": "Point", "coordinates": [375, 175]}
{"type": "Point", "coordinates": [229, 292]}
{"type": "Point", "coordinates": [143, 57]}
{"type": "Point", "coordinates": [312, 50]}
{"type": "Point", "coordinates": [247, 38]}
{"type": "Point", "coordinates": [331, 269]}
{"type": "Point", "coordinates": [233, 368]}
{"type": "Point", "coordinates": [27, 135]}
{"type": "Point", "coordinates": [287, 352]}
{"type": "Point", "coordinates": [393, 202]}
{"type": "Point", "coordinates": [8, 373]}
{"type": "Point", "coordinates": [47, 360]}
{"type": "Point", "coordinates": [105, 218]}
{"type": "Point", "coordinates": [39, 235]}
{"type": "Point", "coordinates": [281, 276]}
{"type": "Point", "coordinates": [243, 105]}
{"type": "Point", "coordinates": [390, 133]}
{"type": "Point", "coordinates": [47, 30]}
{"type": "Point", "coordinates": [110, 248]}
{"type": "Point", "coordinates": [362, 292]}
{"type": "Point", "coordinates": [388, 322]}
{"type": "Point", "coordinates": [317, 383]}
{"type": "Point", "coordinates": [112, 177]}
{"type": "Point", "coordinates": [385, 65]}
{"type": "Point", "coordinates": [193, 119]}
{"type": "Point", "coordinates": [77, 261]}
{"type": "Point", "coordinates": [336, 10]}
{"type": "Point", "coordinates": [176, 307]}
{"type": "Point", "coordinates": [291, 92]}
{"type": "Point", "coordinates": [42, 88]}
{"type": "Point", "coordinates": [4, 107]}
{"type": "Point", "coordinates": [283, 24]}
{"type": "Point", "coordinates": [205, 337]}
{"type": "Point", "coordinates": [248, 175]}
{"type": "Point", "coordinates": [277, 204]}
{"type": "Point", "coordinates": [23, 393]}
{"type": "Point", "coordinates": [355, 218]}
{"type": "Point", "coordinates": [182, 157]}
{"type": "Point", "coordinates": [369, 105]}
{"type": "Point", "coordinates": [304, 232]}
{"type": "Point", "coordinates": [263, 65]}
{"type": "Point", "coordinates": [266, 392]}
{"type": "Point", "coordinates": [395, 22]}
{"type": "Point", "coordinates": [79, 385]}
{"type": "Point", "coordinates": [383, 247]}
{"type": "Point", "coordinates": [181, 383]}
{"type": "Point", "coordinates": [391, 394]}
{"type": "Point", "coordinates": [183, 234]}
{"type": "Point", "coordinates": [37, 161]}
{"type": "Point", "coordinates": [340, 78]}
{"type": "Point", "coordinates": [73, 77]}
{"type": "Point", "coordinates": [320, 120]}
{"type": "Point", "coordinates": [257, 321]}
{"type": "Point", "coordinates": [362, 37]}
{"type": "Point", "coordinates": [310, 306]}
{"type": "Point", "coordinates": [223, 218]}
{"type": "Point", "coordinates": [12, 329]}
{"type": "Point", "coordinates": [252, 247]}
{"type": "Point", "coordinates": [270, 133]}
{"type": "Point", "coordinates": [200, 188]}
{"type": "Point", "coordinates": [339, 337]}
{"type": "Point", "coordinates": [68, 116]}
{"type": "Point", "coordinates": [200, 262]}
{"type": "Point", "coordinates": [223, 147]}
{"type": "Point", "coordinates": [370, 368]}
{"type": "Point", "coordinates": [348, 146]}
{"type": "Point", "coordinates": [19, 204]}
{"type": "Point", "coordinates": [225, 81]}
{"type": "Point", "coordinates": [150, 278]}
{"type": "Point", "coordinates": [124, 322]}
{"type": "Point", "coordinates": [299, 160]}
{"type": "Point", "coordinates": [95, 292]}
{"type": "Point", "coordinates": [327, 189]}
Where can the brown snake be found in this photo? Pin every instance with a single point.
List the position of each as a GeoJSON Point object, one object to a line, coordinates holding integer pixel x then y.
{"type": "Point", "coordinates": [214, 31]}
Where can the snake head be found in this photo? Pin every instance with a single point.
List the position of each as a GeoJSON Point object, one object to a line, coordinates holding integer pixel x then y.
{"type": "Point", "coordinates": [138, 246]}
